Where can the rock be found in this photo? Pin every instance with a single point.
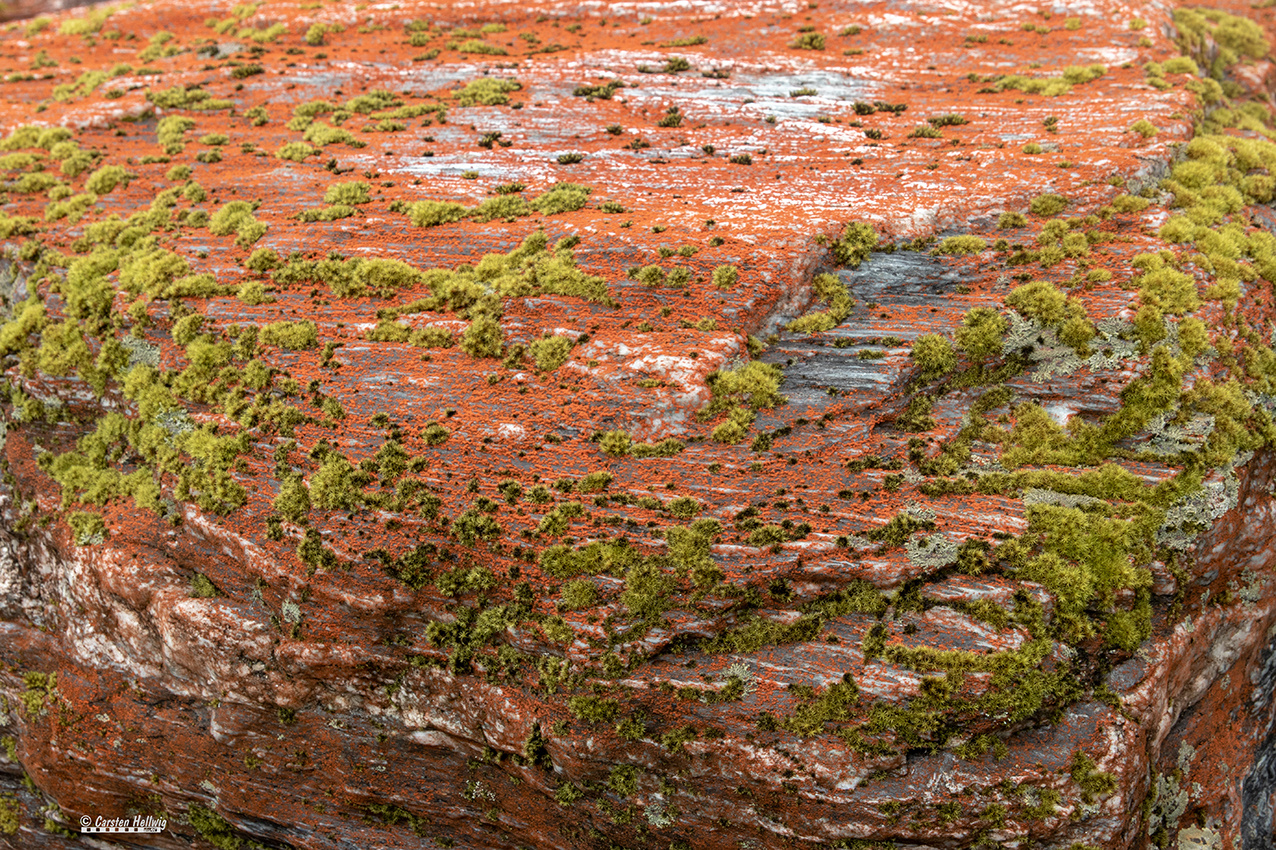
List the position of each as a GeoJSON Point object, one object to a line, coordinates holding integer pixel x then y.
{"type": "Point", "coordinates": [691, 426]}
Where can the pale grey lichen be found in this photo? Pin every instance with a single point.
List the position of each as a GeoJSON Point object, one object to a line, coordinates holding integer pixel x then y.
{"type": "Point", "coordinates": [175, 422]}
{"type": "Point", "coordinates": [741, 671]}
{"type": "Point", "coordinates": [1169, 799]}
{"type": "Point", "coordinates": [90, 538]}
{"type": "Point", "coordinates": [1170, 439]}
{"type": "Point", "coordinates": [140, 352]}
{"type": "Point", "coordinates": [1191, 516]}
{"type": "Point", "coordinates": [1054, 357]}
{"type": "Point", "coordinates": [920, 512]}
{"type": "Point", "coordinates": [934, 551]}
{"type": "Point", "coordinates": [1037, 496]}
{"type": "Point", "coordinates": [657, 815]}
{"type": "Point", "coordinates": [1253, 589]}
{"type": "Point", "coordinates": [291, 612]}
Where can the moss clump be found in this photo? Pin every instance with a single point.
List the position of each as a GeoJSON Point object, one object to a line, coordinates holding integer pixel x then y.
{"type": "Point", "coordinates": [334, 486]}
{"type": "Point", "coordinates": [333, 213]}
{"type": "Point", "coordinates": [684, 507]}
{"type": "Point", "coordinates": [982, 333]}
{"type": "Point", "coordinates": [754, 384]}
{"type": "Point", "coordinates": [594, 709]}
{"type": "Point", "coordinates": [595, 482]}
{"type": "Point", "coordinates": [237, 217]}
{"type": "Point", "coordinates": [105, 179]}
{"type": "Point", "coordinates": [1144, 128]}
{"type": "Point", "coordinates": [486, 91]}
{"type": "Point", "coordinates": [296, 151]}
{"type": "Point", "coordinates": [1214, 34]}
{"type": "Point", "coordinates": [262, 260]}
{"type": "Point", "coordinates": [726, 277]}
{"type": "Point", "coordinates": [563, 197]}
{"type": "Point", "coordinates": [808, 41]}
{"type": "Point", "coordinates": [213, 828]}
{"type": "Point", "coordinates": [647, 589]}
{"type": "Point", "coordinates": [616, 443]}
{"type": "Point", "coordinates": [1048, 205]}
{"type": "Point", "coordinates": [10, 813]}
{"type": "Point", "coordinates": [293, 501]}
{"type": "Point", "coordinates": [578, 593]}
{"type": "Point", "coordinates": [481, 47]}
{"type": "Point", "coordinates": [857, 242]}
{"type": "Point", "coordinates": [87, 528]}
{"type": "Point", "coordinates": [550, 352]}
{"type": "Point", "coordinates": [322, 134]}
{"type": "Point", "coordinates": [202, 587]}
{"type": "Point", "coordinates": [1039, 300]}
{"type": "Point", "coordinates": [1093, 783]}
{"type": "Point", "coordinates": [735, 427]}
{"type": "Point", "coordinates": [352, 193]}
{"type": "Point", "coordinates": [434, 213]}
{"type": "Point", "coordinates": [180, 97]}
{"type": "Point", "coordinates": [933, 354]}
{"type": "Point", "coordinates": [483, 338]}
{"type": "Point", "coordinates": [833, 704]}
{"type": "Point", "coordinates": [961, 245]}
{"type": "Point", "coordinates": [294, 336]}
{"type": "Point", "coordinates": [831, 290]}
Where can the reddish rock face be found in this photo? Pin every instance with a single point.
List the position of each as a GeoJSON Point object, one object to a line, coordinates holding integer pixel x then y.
{"type": "Point", "coordinates": [734, 425]}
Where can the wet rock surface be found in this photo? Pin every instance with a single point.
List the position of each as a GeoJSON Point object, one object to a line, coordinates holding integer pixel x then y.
{"type": "Point", "coordinates": [714, 425]}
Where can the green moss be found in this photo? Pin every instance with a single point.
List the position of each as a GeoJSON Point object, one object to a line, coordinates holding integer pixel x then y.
{"type": "Point", "coordinates": [808, 41]}
{"type": "Point", "coordinates": [562, 197]}
{"type": "Point", "coordinates": [202, 587]}
{"type": "Point", "coordinates": [1212, 34]}
{"type": "Point", "coordinates": [579, 593]}
{"type": "Point", "coordinates": [592, 709]}
{"type": "Point", "coordinates": [550, 352]}
{"type": "Point", "coordinates": [667, 447]}
{"type": "Point", "coordinates": [332, 213]}
{"type": "Point", "coordinates": [616, 443]}
{"type": "Point", "coordinates": [647, 590]}
{"type": "Point", "coordinates": [296, 151]}
{"type": "Point", "coordinates": [293, 501]}
{"type": "Point", "coordinates": [213, 828]}
{"type": "Point", "coordinates": [294, 336]}
{"type": "Point", "coordinates": [483, 338]}
{"type": "Point", "coordinates": [486, 91]}
{"type": "Point", "coordinates": [933, 354]}
{"type": "Point", "coordinates": [856, 243]}
{"type": "Point", "coordinates": [595, 482]}
{"type": "Point", "coordinates": [433, 213]}
{"type": "Point", "coordinates": [1048, 205]}
{"type": "Point", "coordinates": [481, 47]}
{"type": "Point", "coordinates": [961, 245]}
{"type": "Point", "coordinates": [87, 528]}
{"type": "Point", "coordinates": [87, 24]}
{"type": "Point", "coordinates": [833, 704]}
{"type": "Point", "coordinates": [10, 814]}
{"type": "Point", "coordinates": [354, 192]}
{"type": "Point", "coordinates": [105, 179]}
{"type": "Point", "coordinates": [473, 525]}
{"type": "Point", "coordinates": [725, 277]}
{"type": "Point", "coordinates": [180, 97]}
{"type": "Point", "coordinates": [754, 384]}
{"type": "Point", "coordinates": [1093, 783]}
{"type": "Point", "coordinates": [733, 430]}
{"type": "Point", "coordinates": [237, 217]}
{"type": "Point", "coordinates": [684, 507]}
{"type": "Point", "coordinates": [982, 333]}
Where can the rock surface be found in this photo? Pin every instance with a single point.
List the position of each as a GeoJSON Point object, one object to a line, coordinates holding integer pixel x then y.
{"type": "Point", "coordinates": [714, 424]}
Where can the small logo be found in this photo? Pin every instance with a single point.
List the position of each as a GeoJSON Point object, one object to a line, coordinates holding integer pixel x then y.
{"type": "Point", "coordinates": [139, 823]}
